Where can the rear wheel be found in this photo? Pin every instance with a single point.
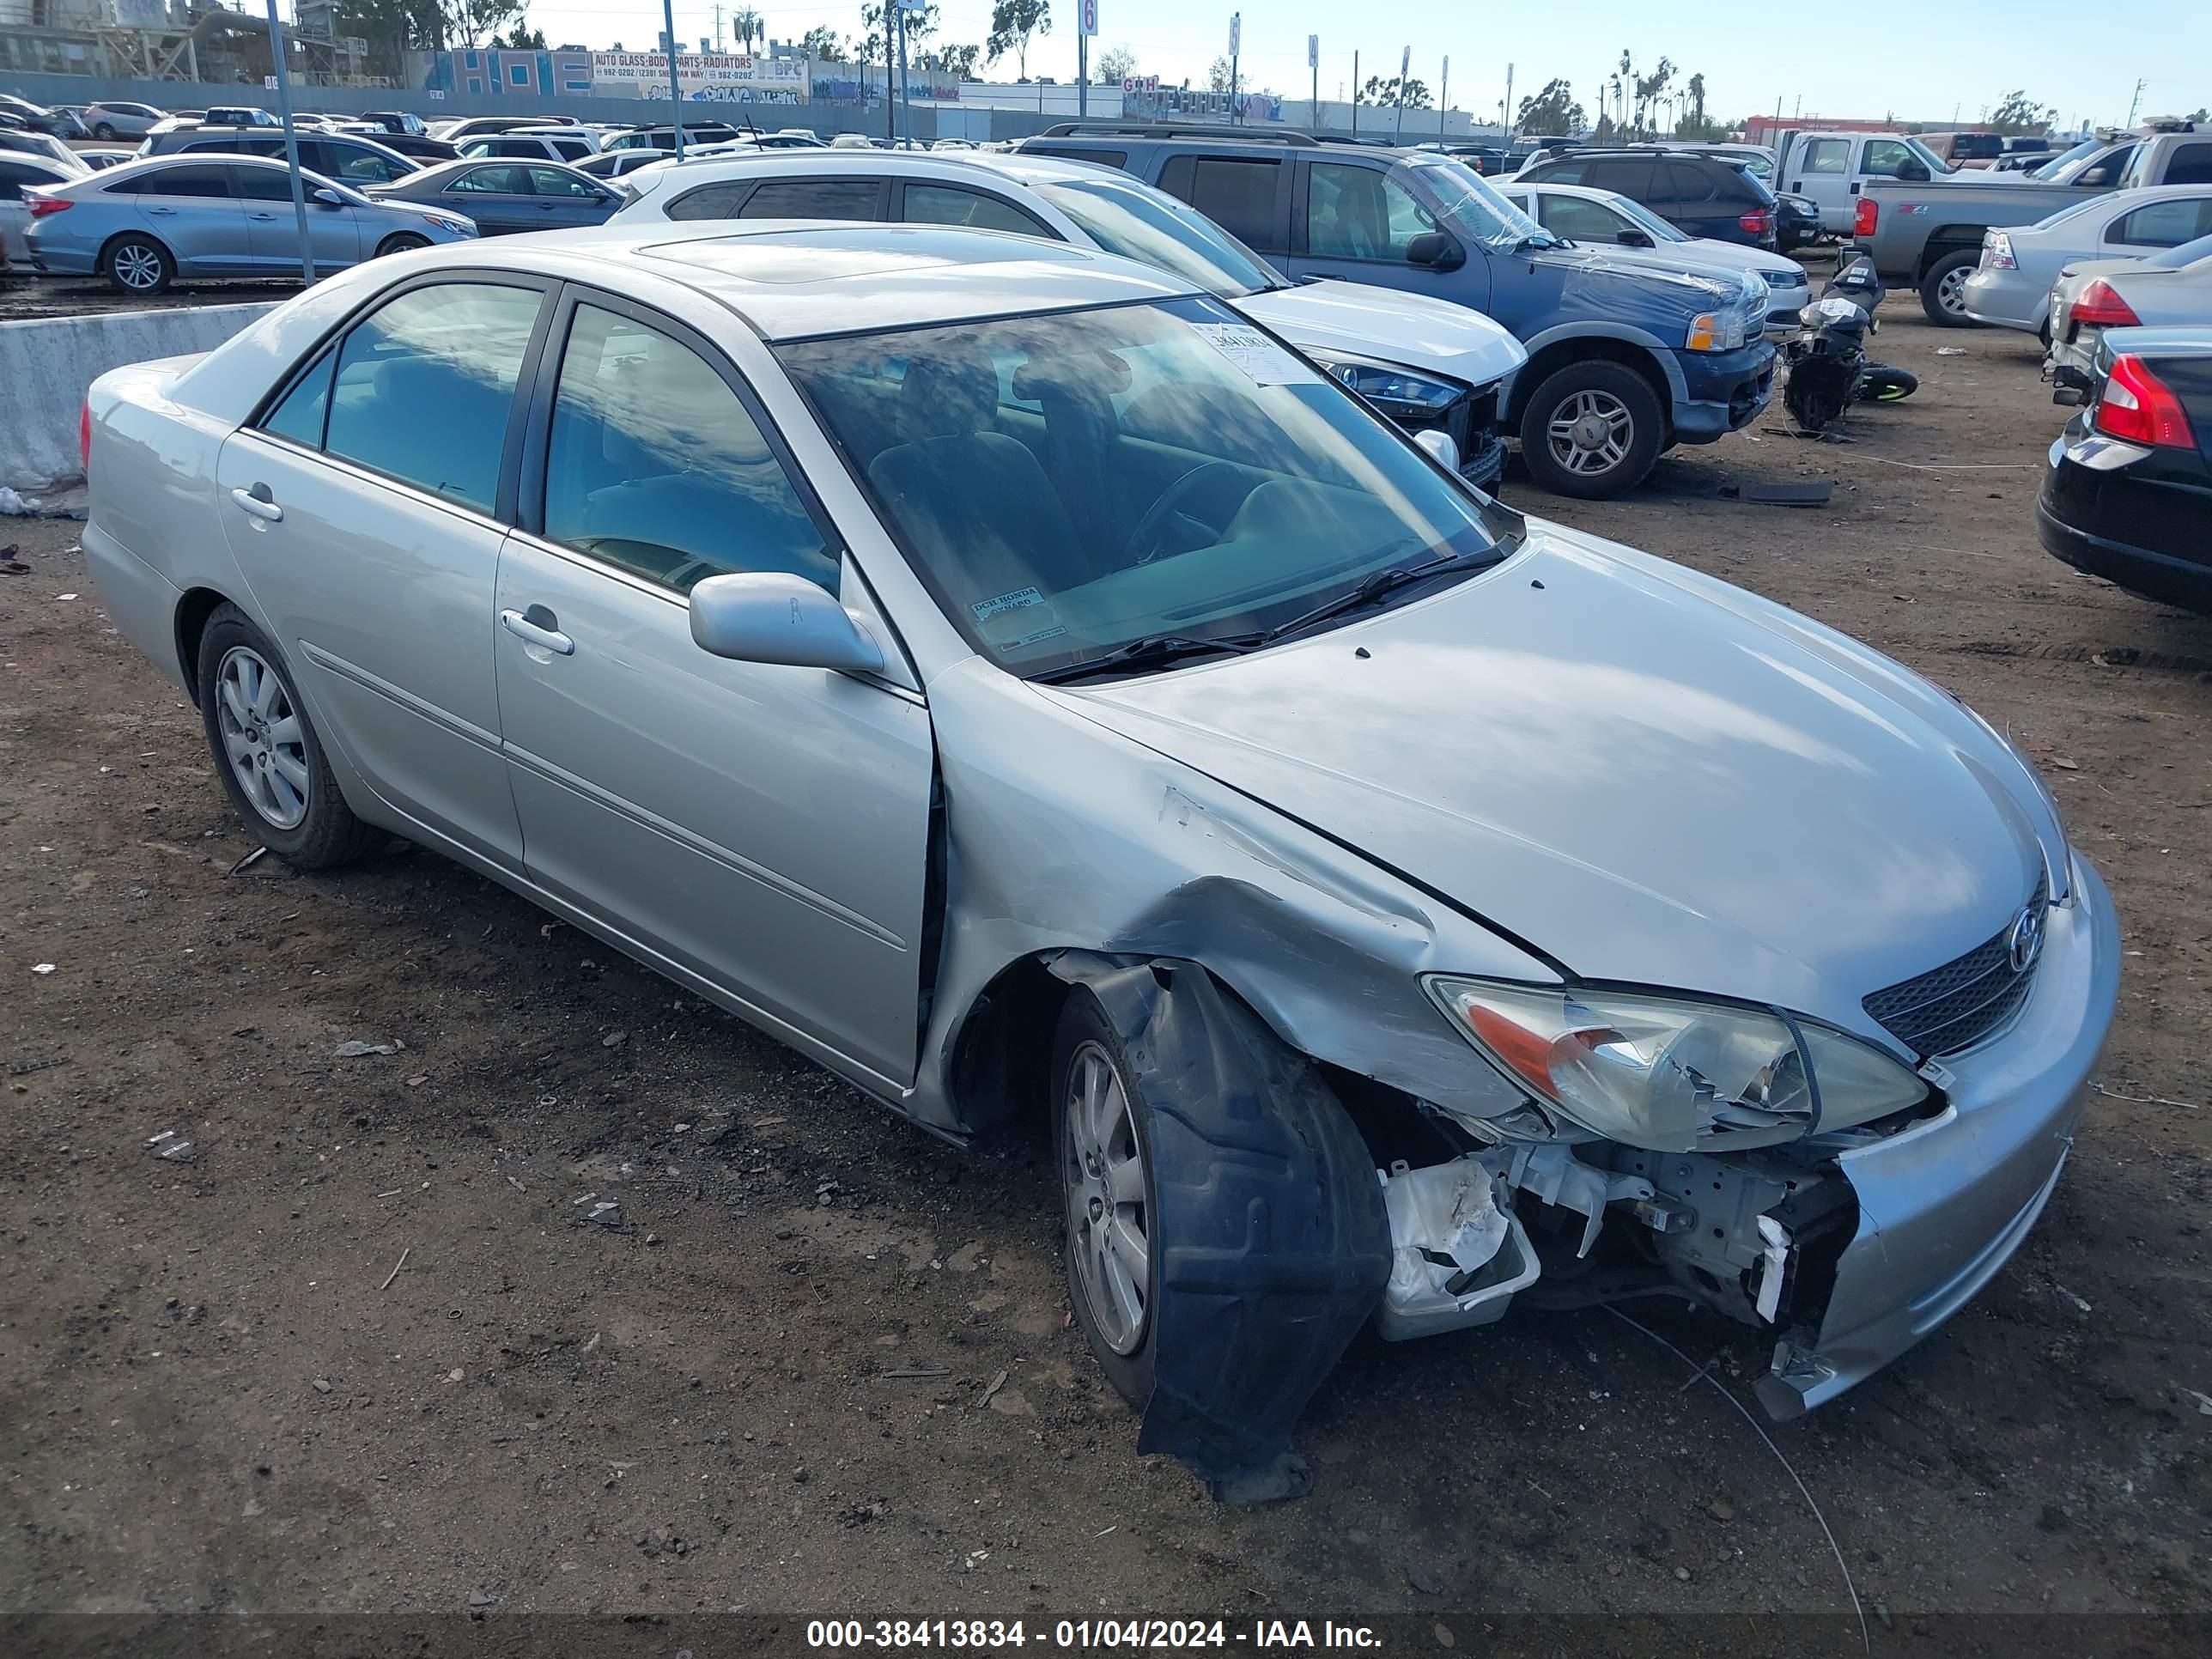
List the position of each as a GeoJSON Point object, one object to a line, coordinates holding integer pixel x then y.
{"type": "Point", "coordinates": [1102, 1134]}
{"type": "Point", "coordinates": [1592, 429]}
{"type": "Point", "coordinates": [1943, 290]}
{"type": "Point", "coordinates": [269, 758]}
{"type": "Point", "coordinates": [138, 265]}
{"type": "Point", "coordinates": [405, 242]}
{"type": "Point", "coordinates": [104, 133]}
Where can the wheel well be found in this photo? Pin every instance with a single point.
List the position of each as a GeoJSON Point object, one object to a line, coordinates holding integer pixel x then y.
{"type": "Point", "coordinates": [1562, 354]}
{"type": "Point", "coordinates": [141, 235]}
{"type": "Point", "coordinates": [1001, 1059]}
{"type": "Point", "coordinates": [192, 621]}
{"type": "Point", "coordinates": [1940, 247]}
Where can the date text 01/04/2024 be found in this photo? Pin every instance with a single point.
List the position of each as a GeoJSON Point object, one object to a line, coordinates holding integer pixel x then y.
{"type": "Point", "coordinates": [1080, 1634]}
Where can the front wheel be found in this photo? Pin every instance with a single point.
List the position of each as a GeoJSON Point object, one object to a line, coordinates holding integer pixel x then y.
{"type": "Point", "coordinates": [138, 265]}
{"type": "Point", "coordinates": [270, 760]}
{"type": "Point", "coordinates": [1102, 1135]}
{"type": "Point", "coordinates": [1592, 429]}
{"type": "Point", "coordinates": [1943, 290]}
{"type": "Point", "coordinates": [405, 242]}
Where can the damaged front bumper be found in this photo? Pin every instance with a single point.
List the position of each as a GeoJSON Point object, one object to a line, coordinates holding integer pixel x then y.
{"type": "Point", "coordinates": [1943, 1205]}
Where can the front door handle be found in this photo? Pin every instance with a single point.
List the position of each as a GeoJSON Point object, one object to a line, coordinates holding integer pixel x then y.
{"type": "Point", "coordinates": [260, 216]}
{"type": "Point", "coordinates": [259, 502]}
{"type": "Point", "coordinates": [539, 626]}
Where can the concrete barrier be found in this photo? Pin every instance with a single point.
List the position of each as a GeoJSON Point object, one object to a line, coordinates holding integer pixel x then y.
{"type": "Point", "coordinates": [47, 364]}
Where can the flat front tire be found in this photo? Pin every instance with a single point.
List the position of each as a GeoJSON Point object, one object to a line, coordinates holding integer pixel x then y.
{"type": "Point", "coordinates": [1591, 430]}
{"type": "Point", "coordinates": [266, 752]}
{"type": "Point", "coordinates": [1103, 1145]}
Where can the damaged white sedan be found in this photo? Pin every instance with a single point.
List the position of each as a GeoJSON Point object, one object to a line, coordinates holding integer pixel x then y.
{"type": "Point", "coordinates": [1026, 686]}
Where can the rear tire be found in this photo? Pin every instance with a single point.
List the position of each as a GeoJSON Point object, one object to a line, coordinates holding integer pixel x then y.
{"type": "Point", "coordinates": [1561, 440]}
{"type": "Point", "coordinates": [1943, 290]}
{"type": "Point", "coordinates": [1100, 1125]}
{"type": "Point", "coordinates": [104, 133]}
{"type": "Point", "coordinates": [138, 265]}
{"type": "Point", "coordinates": [295, 805]}
{"type": "Point", "coordinates": [405, 242]}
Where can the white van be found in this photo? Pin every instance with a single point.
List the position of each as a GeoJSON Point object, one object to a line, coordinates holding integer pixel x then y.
{"type": "Point", "coordinates": [1830, 167]}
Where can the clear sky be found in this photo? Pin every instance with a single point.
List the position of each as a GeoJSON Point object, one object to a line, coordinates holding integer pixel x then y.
{"type": "Point", "coordinates": [1918, 62]}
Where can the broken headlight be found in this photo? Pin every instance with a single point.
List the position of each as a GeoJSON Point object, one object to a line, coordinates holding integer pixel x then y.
{"type": "Point", "coordinates": [1675, 1075]}
{"type": "Point", "coordinates": [1398, 393]}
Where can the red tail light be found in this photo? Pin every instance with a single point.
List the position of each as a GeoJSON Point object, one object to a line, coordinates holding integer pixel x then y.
{"type": "Point", "coordinates": [84, 439]}
{"type": "Point", "coordinates": [40, 206]}
{"type": "Point", "coordinates": [2101, 307]}
{"type": "Point", "coordinates": [2138, 406]}
{"type": "Point", "coordinates": [1865, 216]}
{"type": "Point", "coordinates": [1757, 222]}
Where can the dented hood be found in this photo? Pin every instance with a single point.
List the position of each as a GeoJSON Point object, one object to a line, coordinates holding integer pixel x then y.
{"type": "Point", "coordinates": [1647, 775]}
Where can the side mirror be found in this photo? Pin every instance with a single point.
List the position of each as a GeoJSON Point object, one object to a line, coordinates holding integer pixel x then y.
{"type": "Point", "coordinates": [1435, 249]}
{"type": "Point", "coordinates": [1913, 172]}
{"type": "Point", "coordinates": [1441, 449]}
{"type": "Point", "coordinates": [1634, 238]}
{"type": "Point", "coordinates": [326, 198]}
{"type": "Point", "coordinates": [773, 616]}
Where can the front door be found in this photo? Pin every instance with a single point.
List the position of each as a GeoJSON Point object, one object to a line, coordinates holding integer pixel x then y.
{"type": "Point", "coordinates": [565, 200]}
{"type": "Point", "coordinates": [1359, 222]}
{"type": "Point", "coordinates": [762, 830]}
{"type": "Point", "coordinates": [496, 196]}
{"type": "Point", "coordinates": [363, 510]}
{"type": "Point", "coordinates": [272, 226]}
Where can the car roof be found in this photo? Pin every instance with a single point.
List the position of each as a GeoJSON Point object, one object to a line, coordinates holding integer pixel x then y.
{"type": "Point", "coordinates": [790, 280]}
{"type": "Point", "coordinates": [956, 164]}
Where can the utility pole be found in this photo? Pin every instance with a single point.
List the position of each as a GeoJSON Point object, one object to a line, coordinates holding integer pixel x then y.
{"type": "Point", "coordinates": [1086, 25]}
{"type": "Point", "coordinates": [675, 91]}
{"type": "Point", "coordinates": [291, 146]}
{"type": "Point", "coordinates": [1405, 64]}
{"type": "Point", "coordinates": [1507, 123]}
{"type": "Point", "coordinates": [718, 28]}
{"type": "Point", "coordinates": [1355, 94]}
{"type": "Point", "coordinates": [1313, 63]}
{"type": "Point", "coordinates": [2133, 103]}
{"type": "Point", "coordinates": [1444, 95]}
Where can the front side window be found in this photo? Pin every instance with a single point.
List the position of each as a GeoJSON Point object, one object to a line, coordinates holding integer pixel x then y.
{"type": "Point", "coordinates": [551, 181]}
{"type": "Point", "coordinates": [1356, 212]}
{"type": "Point", "coordinates": [1070, 485]}
{"type": "Point", "coordinates": [949, 204]}
{"type": "Point", "coordinates": [365, 167]}
{"type": "Point", "coordinates": [657, 467]}
{"type": "Point", "coordinates": [1579, 220]}
{"type": "Point", "coordinates": [1476, 207]}
{"type": "Point", "coordinates": [1152, 228]}
{"type": "Point", "coordinates": [1886, 158]}
{"type": "Point", "coordinates": [425, 386]}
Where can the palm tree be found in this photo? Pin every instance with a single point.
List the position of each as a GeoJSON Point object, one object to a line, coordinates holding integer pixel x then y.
{"type": "Point", "coordinates": [747, 26]}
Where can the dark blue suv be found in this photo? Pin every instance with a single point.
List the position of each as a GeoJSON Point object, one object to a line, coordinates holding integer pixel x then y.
{"type": "Point", "coordinates": [1627, 356]}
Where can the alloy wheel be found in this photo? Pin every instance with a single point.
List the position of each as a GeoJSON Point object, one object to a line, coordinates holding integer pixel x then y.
{"type": "Point", "coordinates": [1951, 291]}
{"type": "Point", "coordinates": [262, 735]}
{"type": "Point", "coordinates": [1109, 1216]}
{"type": "Point", "coordinates": [1590, 433]}
{"type": "Point", "coordinates": [137, 266]}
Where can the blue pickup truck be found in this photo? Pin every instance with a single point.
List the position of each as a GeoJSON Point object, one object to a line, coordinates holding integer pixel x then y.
{"type": "Point", "coordinates": [1627, 355]}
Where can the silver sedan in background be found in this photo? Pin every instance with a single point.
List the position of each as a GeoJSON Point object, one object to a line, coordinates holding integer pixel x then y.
{"type": "Point", "coordinates": [2011, 287]}
{"type": "Point", "coordinates": [1024, 684]}
{"type": "Point", "coordinates": [146, 224]}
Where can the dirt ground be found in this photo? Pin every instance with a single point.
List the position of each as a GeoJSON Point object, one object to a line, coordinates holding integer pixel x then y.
{"type": "Point", "coordinates": [222, 1388]}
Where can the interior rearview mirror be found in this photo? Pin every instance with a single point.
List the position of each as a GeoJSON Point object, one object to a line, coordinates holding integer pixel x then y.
{"type": "Point", "coordinates": [1436, 250]}
{"type": "Point", "coordinates": [773, 617]}
{"type": "Point", "coordinates": [1442, 450]}
{"type": "Point", "coordinates": [1634, 238]}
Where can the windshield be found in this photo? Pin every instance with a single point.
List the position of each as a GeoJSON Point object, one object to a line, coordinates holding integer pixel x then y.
{"type": "Point", "coordinates": [1155, 229]}
{"type": "Point", "coordinates": [1069, 484]}
{"type": "Point", "coordinates": [1479, 210]}
{"type": "Point", "coordinates": [1936, 165]}
{"type": "Point", "coordinates": [2100, 158]}
{"type": "Point", "coordinates": [2050, 165]}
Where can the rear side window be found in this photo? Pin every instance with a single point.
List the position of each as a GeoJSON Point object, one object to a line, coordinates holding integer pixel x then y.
{"type": "Point", "coordinates": [300, 416]}
{"type": "Point", "coordinates": [266, 184]}
{"type": "Point", "coordinates": [1827, 156]}
{"type": "Point", "coordinates": [2162, 224]}
{"type": "Point", "coordinates": [1685, 181]}
{"type": "Point", "coordinates": [13, 176]}
{"type": "Point", "coordinates": [815, 199]}
{"type": "Point", "coordinates": [1629, 176]}
{"type": "Point", "coordinates": [710, 200]}
{"type": "Point", "coordinates": [2191, 165]}
{"type": "Point", "coordinates": [1102, 158]}
{"type": "Point", "coordinates": [1237, 194]}
{"type": "Point", "coordinates": [657, 467]}
{"type": "Point", "coordinates": [1560, 173]}
{"type": "Point", "coordinates": [425, 385]}
{"type": "Point", "coordinates": [209, 181]}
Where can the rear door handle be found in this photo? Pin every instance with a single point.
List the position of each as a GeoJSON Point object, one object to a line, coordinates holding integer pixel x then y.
{"type": "Point", "coordinates": [162, 212]}
{"type": "Point", "coordinates": [539, 626]}
{"type": "Point", "coordinates": [260, 216]}
{"type": "Point", "coordinates": [258, 501]}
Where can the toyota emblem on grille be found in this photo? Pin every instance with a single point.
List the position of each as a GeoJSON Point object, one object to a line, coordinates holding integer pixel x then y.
{"type": "Point", "coordinates": [2024, 938]}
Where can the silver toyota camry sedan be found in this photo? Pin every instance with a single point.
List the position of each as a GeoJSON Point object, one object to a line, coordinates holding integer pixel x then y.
{"type": "Point", "coordinates": [1026, 686]}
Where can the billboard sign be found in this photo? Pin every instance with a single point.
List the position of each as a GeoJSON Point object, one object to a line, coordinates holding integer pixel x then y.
{"type": "Point", "coordinates": [709, 76]}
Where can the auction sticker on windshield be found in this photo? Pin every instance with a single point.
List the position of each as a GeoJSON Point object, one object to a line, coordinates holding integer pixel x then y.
{"type": "Point", "coordinates": [1259, 357]}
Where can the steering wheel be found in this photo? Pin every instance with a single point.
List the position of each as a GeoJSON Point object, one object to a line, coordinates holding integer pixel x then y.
{"type": "Point", "coordinates": [1141, 548]}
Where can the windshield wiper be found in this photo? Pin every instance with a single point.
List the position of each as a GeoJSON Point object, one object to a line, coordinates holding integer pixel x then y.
{"type": "Point", "coordinates": [1371, 589]}
{"type": "Point", "coordinates": [1151, 651]}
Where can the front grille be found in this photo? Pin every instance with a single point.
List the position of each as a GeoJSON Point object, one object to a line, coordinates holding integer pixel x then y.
{"type": "Point", "coordinates": [1956, 1005]}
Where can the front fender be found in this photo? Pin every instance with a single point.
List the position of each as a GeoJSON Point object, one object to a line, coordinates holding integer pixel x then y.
{"type": "Point", "coordinates": [1661, 353]}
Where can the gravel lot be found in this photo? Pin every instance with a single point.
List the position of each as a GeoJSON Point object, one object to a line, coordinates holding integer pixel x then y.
{"type": "Point", "coordinates": [216, 1395]}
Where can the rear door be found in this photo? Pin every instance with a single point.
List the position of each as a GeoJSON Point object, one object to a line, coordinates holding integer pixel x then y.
{"type": "Point", "coordinates": [929, 202]}
{"type": "Point", "coordinates": [193, 211]}
{"type": "Point", "coordinates": [822, 197]}
{"type": "Point", "coordinates": [1248, 195]}
{"type": "Point", "coordinates": [2157, 225]}
{"type": "Point", "coordinates": [365, 507]}
{"type": "Point", "coordinates": [1693, 200]}
{"type": "Point", "coordinates": [1820, 168]}
{"type": "Point", "coordinates": [1639, 178]}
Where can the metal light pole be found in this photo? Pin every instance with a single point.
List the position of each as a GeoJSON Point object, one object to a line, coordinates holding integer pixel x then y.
{"type": "Point", "coordinates": [1313, 63]}
{"type": "Point", "coordinates": [1444, 96]}
{"type": "Point", "coordinates": [675, 91]}
{"type": "Point", "coordinates": [1236, 43]}
{"type": "Point", "coordinates": [1355, 94]}
{"type": "Point", "coordinates": [1405, 65]}
{"type": "Point", "coordinates": [291, 145]}
{"type": "Point", "coordinates": [906, 96]}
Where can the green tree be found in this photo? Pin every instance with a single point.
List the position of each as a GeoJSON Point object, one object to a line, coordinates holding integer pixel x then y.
{"type": "Point", "coordinates": [1217, 74]}
{"type": "Point", "coordinates": [1551, 110]}
{"type": "Point", "coordinates": [2018, 112]}
{"type": "Point", "coordinates": [1697, 91]}
{"type": "Point", "coordinates": [473, 22]}
{"type": "Point", "coordinates": [1012, 23]}
{"type": "Point", "coordinates": [519, 39]}
{"type": "Point", "coordinates": [823, 46]}
{"type": "Point", "coordinates": [1380, 91]}
{"type": "Point", "coordinates": [955, 62]}
{"type": "Point", "coordinates": [1115, 64]}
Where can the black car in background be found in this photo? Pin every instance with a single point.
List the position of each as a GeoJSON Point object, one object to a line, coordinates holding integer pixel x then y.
{"type": "Point", "coordinates": [2130, 489]}
{"type": "Point", "coordinates": [1700, 195]}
